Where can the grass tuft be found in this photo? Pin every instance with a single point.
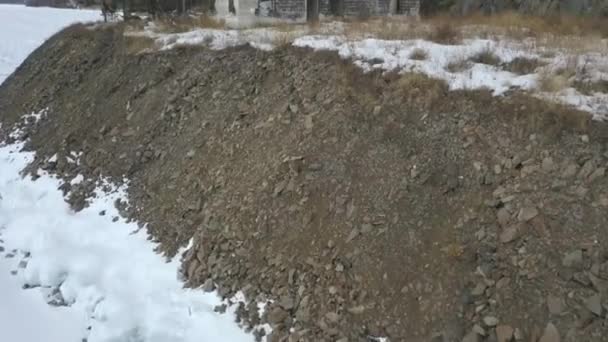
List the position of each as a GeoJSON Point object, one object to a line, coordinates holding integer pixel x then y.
{"type": "Point", "coordinates": [486, 56]}
{"type": "Point", "coordinates": [419, 54]}
{"type": "Point", "coordinates": [445, 34]}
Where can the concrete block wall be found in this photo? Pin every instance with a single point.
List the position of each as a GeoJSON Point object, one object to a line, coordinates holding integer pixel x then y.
{"type": "Point", "coordinates": [365, 8]}
{"type": "Point", "coordinates": [371, 7]}
{"type": "Point", "coordinates": [294, 9]}
{"type": "Point", "coordinates": [409, 7]}
{"type": "Point", "coordinates": [290, 9]}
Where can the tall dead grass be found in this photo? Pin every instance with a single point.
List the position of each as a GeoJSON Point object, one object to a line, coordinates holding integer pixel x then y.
{"type": "Point", "coordinates": [135, 45]}
{"type": "Point", "coordinates": [567, 32]}
{"type": "Point", "coordinates": [521, 25]}
{"type": "Point", "coordinates": [177, 24]}
{"type": "Point", "coordinates": [555, 80]}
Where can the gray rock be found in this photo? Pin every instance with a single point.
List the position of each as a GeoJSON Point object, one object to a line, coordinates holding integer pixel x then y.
{"type": "Point", "coordinates": [509, 234]}
{"type": "Point", "coordinates": [332, 317]}
{"type": "Point", "coordinates": [471, 337]}
{"type": "Point", "coordinates": [548, 165]}
{"type": "Point", "coordinates": [573, 259]}
{"type": "Point", "coordinates": [277, 315]}
{"type": "Point", "coordinates": [490, 321]}
{"type": "Point", "coordinates": [527, 213]}
{"type": "Point", "coordinates": [586, 170]}
{"type": "Point", "coordinates": [377, 110]}
{"type": "Point", "coordinates": [479, 330]}
{"type": "Point", "coordinates": [594, 304]}
{"type": "Point", "coordinates": [598, 173]}
{"type": "Point", "coordinates": [550, 334]}
{"type": "Point", "coordinates": [570, 171]}
{"type": "Point", "coordinates": [518, 335]}
{"type": "Point", "coordinates": [293, 108]}
{"type": "Point", "coordinates": [357, 310]}
{"type": "Point", "coordinates": [208, 285]}
{"type": "Point", "coordinates": [479, 290]}
{"type": "Point", "coordinates": [503, 216]}
{"type": "Point", "coordinates": [287, 303]}
{"type": "Point", "coordinates": [555, 305]}
{"type": "Point", "coordinates": [353, 234]}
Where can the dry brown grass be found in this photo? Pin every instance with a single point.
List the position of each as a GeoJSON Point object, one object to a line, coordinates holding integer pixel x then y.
{"type": "Point", "coordinates": [517, 24]}
{"type": "Point", "coordinates": [383, 28]}
{"type": "Point", "coordinates": [446, 34]}
{"type": "Point", "coordinates": [523, 65]}
{"type": "Point", "coordinates": [419, 54]}
{"type": "Point", "coordinates": [570, 33]}
{"type": "Point", "coordinates": [591, 87]}
{"type": "Point", "coordinates": [176, 24]}
{"type": "Point", "coordinates": [138, 44]}
{"type": "Point", "coordinates": [422, 90]}
{"type": "Point", "coordinates": [458, 65]}
{"type": "Point", "coordinates": [486, 56]}
{"type": "Point", "coordinates": [556, 80]}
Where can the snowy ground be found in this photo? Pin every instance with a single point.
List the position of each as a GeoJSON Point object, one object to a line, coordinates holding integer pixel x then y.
{"type": "Point", "coordinates": [370, 53]}
{"type": "Point", "coordinates": [23, 29]}
{"type": "Point", "coordinates": [101, 279]}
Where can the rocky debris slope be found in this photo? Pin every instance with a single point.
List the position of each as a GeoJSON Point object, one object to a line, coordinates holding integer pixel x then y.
{"type": "Point", "coordinates": [354, 205]}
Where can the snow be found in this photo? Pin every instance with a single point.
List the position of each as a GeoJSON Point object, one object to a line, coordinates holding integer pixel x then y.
{"type": "Point", "coordinates": [20, 311]}
{"type": "Point", "coordinates": [372, 54]}
{"type": "Point", "coordinates": [106, 271]}
{"type": "Point", "coordinates": [104, 278]}
{"type": "Point", "coordinates": [215, 39]}
{"type": "Point", "coordinates": [23, 29]}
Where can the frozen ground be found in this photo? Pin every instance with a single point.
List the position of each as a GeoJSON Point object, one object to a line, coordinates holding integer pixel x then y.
{"type": "Point", "coordinates": [372, 53]}
{"type": "Point", "coordinates": [101, 278]}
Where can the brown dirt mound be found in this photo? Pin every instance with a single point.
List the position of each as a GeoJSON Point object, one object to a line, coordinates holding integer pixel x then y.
{"type": "Point", "coordinates": [362, 204]}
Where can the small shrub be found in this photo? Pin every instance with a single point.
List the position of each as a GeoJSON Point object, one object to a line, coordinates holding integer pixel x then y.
{"type": "Point", "coordinates": [283, 38]}
{"type": "Point", "coordinates": [422, 90]}
{"type": "Point", "coordinates": [523, 65]}
{"type": "Point", "coordinates": [589, 87]}
{"type": "Point", "coordinates": [445, 34]}
{"type": "Point", "coordinates": [176, 24]}
{"type": "Point", "coordinates": [552, 82]}
{"type": "Point", "coordinates": [419, 54]}
{"type": "Point", "coordinates": [459, 65]}
{"type": "Point", "coordinates": [137, 44]}
{"type": "Point", "coordinates": [486, 56]}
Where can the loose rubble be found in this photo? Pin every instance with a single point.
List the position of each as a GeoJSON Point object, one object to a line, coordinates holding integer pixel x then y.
{"type": "Point", "coordinates": [352, 205]}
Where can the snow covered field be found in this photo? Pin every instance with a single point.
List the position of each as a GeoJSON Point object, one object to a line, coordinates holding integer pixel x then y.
{"type": "Point", "coordinates": [101, 278]}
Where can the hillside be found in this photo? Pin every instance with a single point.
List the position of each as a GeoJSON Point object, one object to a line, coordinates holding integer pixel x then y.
{"type": "Point", "coordinates": [356, 205]}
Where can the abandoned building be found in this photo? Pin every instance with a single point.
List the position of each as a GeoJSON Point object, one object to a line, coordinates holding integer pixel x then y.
{"type": "Point", "coordinates": [311, 9]}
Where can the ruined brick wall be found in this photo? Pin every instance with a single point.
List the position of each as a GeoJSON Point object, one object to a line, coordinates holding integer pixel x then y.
{"type": "Point", "coordinates": [355, 8]}
{"type": "Point", "coordinates": [324, 7]}
{"type": "Point", "coordinates": [409, 7]}
{"type": "Point", "coordinates": [362, 8]}
{"type": "Point", "coordinates": [291, 9]}
{"type": "Point", "coordinates": [366, 7]}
